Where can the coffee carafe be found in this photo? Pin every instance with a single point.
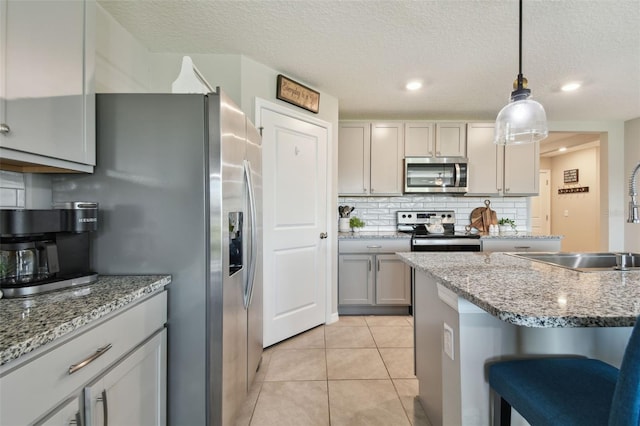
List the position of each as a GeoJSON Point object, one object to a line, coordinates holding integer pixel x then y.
{"type": "Point", "coordinates": [44, 250]}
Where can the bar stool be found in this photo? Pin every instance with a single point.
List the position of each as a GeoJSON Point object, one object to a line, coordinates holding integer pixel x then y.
{"type": "Point", "coordinates": [571, 391]}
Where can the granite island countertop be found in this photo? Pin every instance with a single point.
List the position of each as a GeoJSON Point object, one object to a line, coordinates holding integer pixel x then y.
{"type": "Point", "coordinates": [521, 235]}
{"type": "Point", "coordinates": [533, 294]}
{"type": "Point", "coordinates": [404, 235]}
{"type": "Point", "coordinates": [27, 323]}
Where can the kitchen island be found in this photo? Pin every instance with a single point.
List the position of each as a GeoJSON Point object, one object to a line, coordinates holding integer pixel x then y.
{"type": "Point", "coordinates": [474, 308]}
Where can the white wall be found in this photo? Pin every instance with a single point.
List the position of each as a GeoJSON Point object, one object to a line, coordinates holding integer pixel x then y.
{"type": "Point", "coordinates": [612, 195]}
{"type": "Point", "coordinates": [123, 65]}
{"type": "Point", "coordinates": [632, 158]}
{"type": "Point", "coordinates": [581, 225]}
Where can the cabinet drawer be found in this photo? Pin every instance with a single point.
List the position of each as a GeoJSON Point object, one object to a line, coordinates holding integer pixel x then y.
{"type": "Point", "coordinates": [379, 245]}
{"type": "Point", "coordinates": [41, 383]}
{"type": "Point", "coordinates": [521, 244]}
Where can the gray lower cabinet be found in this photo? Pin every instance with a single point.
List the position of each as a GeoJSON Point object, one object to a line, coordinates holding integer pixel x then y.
{"type": "Point", "coordinates": [370, 275]}
{"type": "Point", "coordinates": [355, 279]}
{"type": "Point", "coordinates": [112, 372]}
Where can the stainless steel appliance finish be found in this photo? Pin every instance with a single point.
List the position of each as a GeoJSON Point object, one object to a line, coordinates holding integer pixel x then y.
{"type": "Point", "coordinates": [435, 175]}
{"type": "Point", "coordinates": [179, 180]}
{"type": "Point", "coordinates": [586, 262]}
{"type": "Point", "coordinates": [45, 250]}
{"type": "Point", "coordinates": [418, 224]}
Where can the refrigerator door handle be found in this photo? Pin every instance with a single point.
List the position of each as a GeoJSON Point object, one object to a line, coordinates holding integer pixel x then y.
{"type": "Point", "coordinates": [248, 294]}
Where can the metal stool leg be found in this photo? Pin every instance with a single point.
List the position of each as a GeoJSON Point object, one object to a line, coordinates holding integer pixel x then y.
{"type": "Point", "coordinates": [505, 412]}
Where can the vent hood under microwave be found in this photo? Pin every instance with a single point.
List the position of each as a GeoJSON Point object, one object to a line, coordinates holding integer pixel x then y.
{"type": "Point", "coordinates": [435, 175]}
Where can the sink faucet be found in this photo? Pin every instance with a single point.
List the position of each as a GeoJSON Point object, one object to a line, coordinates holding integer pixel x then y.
{"type": "Point", "coordinates": [633, 192]}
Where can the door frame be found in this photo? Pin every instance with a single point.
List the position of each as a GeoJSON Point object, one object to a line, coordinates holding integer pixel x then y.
{"type": "Point", "coordinates": [332, 239]}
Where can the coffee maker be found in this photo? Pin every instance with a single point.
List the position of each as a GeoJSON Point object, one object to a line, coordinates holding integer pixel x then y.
{"type": "Point", "coordinates": [45, 250]}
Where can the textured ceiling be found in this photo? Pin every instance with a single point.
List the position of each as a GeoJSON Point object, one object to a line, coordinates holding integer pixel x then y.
{"type": "Point", "coordinates": [465, 51]}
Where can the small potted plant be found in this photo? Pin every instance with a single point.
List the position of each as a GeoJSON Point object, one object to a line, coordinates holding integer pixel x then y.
{"type": "Point", "coordinates": [356, 224]}
{"type": "Point", "coordinates": [506, 226]}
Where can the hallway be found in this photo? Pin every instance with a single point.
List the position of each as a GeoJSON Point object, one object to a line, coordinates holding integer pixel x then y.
{"type": "Point", "coordinates": [357, 371]}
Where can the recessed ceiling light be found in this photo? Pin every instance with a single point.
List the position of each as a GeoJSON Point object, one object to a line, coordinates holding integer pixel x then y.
{"type": "Point", "coordinates": [414, 85]}
{"type": "Point", "coordinates": [570, 87]}
{"type": "Point", "coordinates": [563, 149]}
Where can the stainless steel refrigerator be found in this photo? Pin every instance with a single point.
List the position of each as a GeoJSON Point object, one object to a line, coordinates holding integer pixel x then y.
{"type": "Point", "coordinates": [179, 183]}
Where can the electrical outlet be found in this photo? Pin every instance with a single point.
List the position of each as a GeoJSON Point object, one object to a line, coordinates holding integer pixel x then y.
{"type": "Point", "coordinates": [448, 339]}
{"type": "Point", "coordinates": [566, 213]}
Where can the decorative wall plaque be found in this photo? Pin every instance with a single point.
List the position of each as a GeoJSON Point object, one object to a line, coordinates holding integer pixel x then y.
{"type": "Point", "coordinates": [297, 94]}
{"type": "Point", "coordinates": [571, 176]}
{"type": "Point", "coordinates": [575, 190]}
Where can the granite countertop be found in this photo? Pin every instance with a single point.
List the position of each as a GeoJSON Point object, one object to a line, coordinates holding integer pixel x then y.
{"type": "Point", "coordinates": [373, 234]}
{"type": "Point", "coordinates": [522, 235]}
{"type": "Point", "coordinates": [404, 235]}
{"type": "Point", "coordinates": [534, 294]}
{"type": "Point", "coordinates": [30, 322]}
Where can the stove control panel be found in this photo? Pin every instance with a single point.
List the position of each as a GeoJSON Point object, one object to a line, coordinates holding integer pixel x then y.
{"type": "Point", "coordinates": [425, 217]}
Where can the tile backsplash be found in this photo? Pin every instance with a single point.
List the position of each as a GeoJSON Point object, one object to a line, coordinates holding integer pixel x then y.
{"type": "Point", "coordinates": [12, 190]}
{"type": "Point", "coordinates": [379, 213]}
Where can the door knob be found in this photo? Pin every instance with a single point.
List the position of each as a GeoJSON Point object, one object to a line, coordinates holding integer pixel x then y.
{"type": "Point", "coordinates": [323, 235]}
{"type": "Point", "coordinates": [4, 129]}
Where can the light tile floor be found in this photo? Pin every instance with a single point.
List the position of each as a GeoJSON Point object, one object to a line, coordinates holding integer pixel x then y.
{"type": "Point", "coordinates": [358, 371]}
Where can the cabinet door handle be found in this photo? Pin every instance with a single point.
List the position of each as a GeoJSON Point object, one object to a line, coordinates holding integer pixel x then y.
{"type": "Point", "coordinates": [522, 247]}
{"type": "Point", "coordinates": [101, 351]}
{"type": "Point", "coordinates": [378, 265]}
{"type": "Point", "coordinates": [369, 264]}
{"type": "Point", "coordinates": [323, 235]}
{"type": "Point", "coordinates": [76, 421]}
{"type": "Point", "coordinates": [374, 246]}
{"type": "Point", "coordinates": [4, 128]}
{"type": "Point", "coordinates": [105, 408]}
{"type": "Point", "coordinates": [507, 189]}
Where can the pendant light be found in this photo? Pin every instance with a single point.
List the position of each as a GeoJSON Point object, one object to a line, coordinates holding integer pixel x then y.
{"type": "Point", "coordinates": [522, 120]}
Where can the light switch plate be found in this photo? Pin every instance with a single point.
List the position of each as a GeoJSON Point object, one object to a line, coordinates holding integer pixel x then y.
{"type": "Point", "coordinates": [448, 339]}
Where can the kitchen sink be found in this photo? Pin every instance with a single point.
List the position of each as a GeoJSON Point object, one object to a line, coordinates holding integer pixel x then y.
{"type": "Point", "coordinates": [586, 262]}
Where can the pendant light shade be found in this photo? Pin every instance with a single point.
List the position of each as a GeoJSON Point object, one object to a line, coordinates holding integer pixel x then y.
{"type": "Point", "coordinates": [522, 120]}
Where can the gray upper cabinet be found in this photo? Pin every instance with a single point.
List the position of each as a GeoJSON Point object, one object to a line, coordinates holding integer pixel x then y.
{"type": "Point", "coordinates": [500, 170]}
{"type": "Point", "coordinates": [47, 105]}
{"type": "Point", "coordinates": [370, 158]}
{"type": "Point", "coordinates": [431, 139]}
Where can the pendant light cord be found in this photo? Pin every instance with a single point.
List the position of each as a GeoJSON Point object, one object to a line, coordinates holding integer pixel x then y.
{"type": "Point", "coordinates": [520, 48]}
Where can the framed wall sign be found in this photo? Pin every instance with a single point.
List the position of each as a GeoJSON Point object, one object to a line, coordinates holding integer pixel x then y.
{"type": "Point", "coordinates": [576, 190]}
{"type": "Point", "coordinates": [297, 94]}
{"type": "Point", "coordinates": [571, 176]}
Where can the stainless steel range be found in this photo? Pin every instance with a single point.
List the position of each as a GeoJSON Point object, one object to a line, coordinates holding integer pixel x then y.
{"type": "Point", "coordinates": [434, 230]}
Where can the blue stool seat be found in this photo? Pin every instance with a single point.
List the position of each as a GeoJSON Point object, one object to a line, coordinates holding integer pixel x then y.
{"type": "Point", "coordinates": [557, 391]}
{"type": "Point", "coordinates": [571, 391]}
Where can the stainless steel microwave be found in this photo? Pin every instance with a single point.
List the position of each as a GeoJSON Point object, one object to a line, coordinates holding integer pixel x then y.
{"type": "Point", "coordinates": [433, 175]}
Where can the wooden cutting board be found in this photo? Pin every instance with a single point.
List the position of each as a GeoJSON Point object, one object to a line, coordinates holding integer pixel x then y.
{"type": "Point", "coordinates": [492, 216]}
{"type": "Point", "coordinates": [476, 215]}
{"type": "Point", "coordinates": [482, 217]}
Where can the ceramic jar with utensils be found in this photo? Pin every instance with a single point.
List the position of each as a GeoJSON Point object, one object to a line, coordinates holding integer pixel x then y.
{"type": "Point", "coordinates": [343, 222]}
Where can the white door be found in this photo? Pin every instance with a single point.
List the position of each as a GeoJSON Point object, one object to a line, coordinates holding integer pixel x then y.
{"type": "Point", "coordinates": [295, 215]}
{"type": "Point", "coordinates": [540, 206]}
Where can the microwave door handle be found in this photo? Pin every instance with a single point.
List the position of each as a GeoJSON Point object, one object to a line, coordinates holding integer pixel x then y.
{"type": "Point", "coordinates": [457, 179]}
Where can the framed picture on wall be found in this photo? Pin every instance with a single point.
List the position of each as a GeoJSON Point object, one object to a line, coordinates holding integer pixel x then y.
{"type": "Point", "coordinates": [297, 94]}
